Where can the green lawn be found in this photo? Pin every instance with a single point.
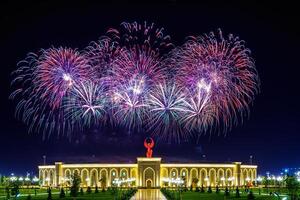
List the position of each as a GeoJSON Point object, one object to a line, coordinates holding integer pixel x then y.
{"type": "Point", "coordinates": [42, 195]}
{"type": "Point", "coordinates": [27, 191]}
{"type": "Point", "coordinates": [190, 195]}
{"type": "Point", "coordinates": [205, 196]}
{"type": "Point", "coordinates": [101, 195]}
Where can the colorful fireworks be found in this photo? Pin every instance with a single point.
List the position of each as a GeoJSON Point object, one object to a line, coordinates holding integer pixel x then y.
{"type": "Point", "coordinates": [86, 104]}
{"type": "Point", "coordinates": [224, 68]}
{"type": "Point", "coordinates": [134, 77]}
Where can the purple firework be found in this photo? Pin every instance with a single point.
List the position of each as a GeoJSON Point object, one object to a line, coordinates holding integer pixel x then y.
{"type": "Point", "coordinates": [226, 66]}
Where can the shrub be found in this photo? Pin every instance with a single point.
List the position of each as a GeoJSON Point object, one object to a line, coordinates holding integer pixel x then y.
{"type": "Point", "coordinates": [75, 185]}
{"type": "Point", "coordinates": [62, 193]}
{"type": "Point", "coordinates": [217, 189]}
{"type": "Point", "coordinates": [28, 197]}
{"type": "Point", "coordinates": [49, 194]}
{"type": "Point", "coordinates": [209, 189]}
{"type": "Point", "coordinates": [226, 191]}
{"type": "Point", "coordinates": [81, 191]}
{"type": "Point", "coordinates": [237, 192]}
{"type": "Point", "coordinates": [96, 189]}
{"type": "Point", "coordinates": [250, 196]}
{"type": "Point", "coordinates": [89, 190]}
{"type": "Point", "coordinates": [202, 189]}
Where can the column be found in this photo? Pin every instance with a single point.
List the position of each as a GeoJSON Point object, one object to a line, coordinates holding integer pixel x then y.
{"type": "Point", "coordinates": [237, 173]}
{"type": "Point", "coordinates": [58, 173]}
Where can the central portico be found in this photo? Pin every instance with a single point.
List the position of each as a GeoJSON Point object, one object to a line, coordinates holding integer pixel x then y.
{"type": "Point", "coordinates": [149, 172]}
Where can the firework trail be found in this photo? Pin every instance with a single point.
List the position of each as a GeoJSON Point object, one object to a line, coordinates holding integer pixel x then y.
{"type": "Point", "coordinates": [101, 54]}
{"type": "Point", "coordinates": [134, 77]}
{"type": "Point", "coordinates": [226, 66]}
{"type": "Point", "coordinates": [136, 70]}
{"type": "Point", "coordinates": [31, 109]}
{"type": "Point", "coordinates": [41, 82]}
{"type": "Point", "coordinates": [87, 103]}
{"type": "Point", "coordinates": [199, 112]}
{"type": "Point", "coordinates": [166, 107]}
{"type": "Point", "coordinates": [56, 71]}
{"type": "Point", "coordinates": [129, 107]}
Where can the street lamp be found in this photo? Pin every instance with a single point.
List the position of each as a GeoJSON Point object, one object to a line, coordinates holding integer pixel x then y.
{"type": "Point", "coordinates": [35, 179]}
{"type": "Point", "coordinates": [13, 177]}
{"type": "Point", "coordinates": [259, 179]}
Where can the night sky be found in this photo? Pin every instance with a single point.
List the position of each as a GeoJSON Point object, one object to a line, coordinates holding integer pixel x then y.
{"type": "Point", "coordinates": [271, 31]}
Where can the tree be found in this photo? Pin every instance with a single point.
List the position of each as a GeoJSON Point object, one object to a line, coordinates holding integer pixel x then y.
{"type": "Point", "coordinates": [209, 189]}
{"type": "Point", "coordinates": [184, 181]}
{"type": "Point", "coordinates": [250, 196]}
{"type": "Point", "coordinates": [75, 185]}
{"type": "Point", "coordinates": [226, 191]}
{"type": "Point", "coordinates": [237, 192]}
{"type": "Point", "coordinates": [103, 183]}
{"type": "Point", "coordinates": [14, 187]}
{"type": "Point", "coordinates": [217, 189]}
{"type": "Point", "coordinates": [292, 186]}
{"type": "Point", "coordinates": [62, 193]}
{"type": "Point", "coordinates": [2, 180]}
{"type": "Point", "coordinates": [89, 190]}
{"type": "Point", "coordinates": [7, 190]}
{"type": "Point", "coordinates": [202, 189]}
{"type": "Point", "coordinates": [194, 182]}
{"type": "Point", "coordinates": [266, 182]}
{"type": "Point", "coordinates": [49, 194]}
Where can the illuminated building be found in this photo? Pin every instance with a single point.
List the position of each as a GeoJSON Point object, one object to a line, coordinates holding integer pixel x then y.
{"type": "Point", "coordinates": [149, 172]}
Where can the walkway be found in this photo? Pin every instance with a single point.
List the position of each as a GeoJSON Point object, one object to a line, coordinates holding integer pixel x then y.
{"type": "Point", "coordinates": [148, 194]}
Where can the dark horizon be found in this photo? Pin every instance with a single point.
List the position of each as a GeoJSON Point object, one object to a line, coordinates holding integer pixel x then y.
{"type": "Point", "coordinates": [271, 134]}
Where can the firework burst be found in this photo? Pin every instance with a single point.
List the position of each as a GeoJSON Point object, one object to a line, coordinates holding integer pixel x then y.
{"type": "Point", "coordinates": [136, 70]}
{"type": "Point", "coordinates": [56, 70]}
{"type": "Point", "coordinates": [86, 104]}
{"type": "Point", "coordinates": [130, 78]}
{"type": "Point", "coordinates": [225, 64]}
{"type": "Point", "coordinates": [129, 107]}
{"type": "Point", "coordinates": [199, 111]}
{"type": "Point", "coordinates": [31, 109]}
{"type": "Point", "coordinates": [166, 107]}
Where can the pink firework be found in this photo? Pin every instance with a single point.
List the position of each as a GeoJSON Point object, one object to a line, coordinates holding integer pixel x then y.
{"type": "Point", "coordinates": [226, 66]}
{"type": "Point", "coordinates": [136, 69]}
{"type": "Point", "coordinates": [56, 71]}
{"type": "Point", "coordinates": [101, 54]}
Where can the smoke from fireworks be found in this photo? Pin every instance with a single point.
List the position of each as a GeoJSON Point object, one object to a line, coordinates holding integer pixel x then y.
{"type": "Point", "coordinates": [133, 77]}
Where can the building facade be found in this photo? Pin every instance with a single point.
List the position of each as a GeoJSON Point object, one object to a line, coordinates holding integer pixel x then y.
{"type": "Point", "coordinates": [150, 173]}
